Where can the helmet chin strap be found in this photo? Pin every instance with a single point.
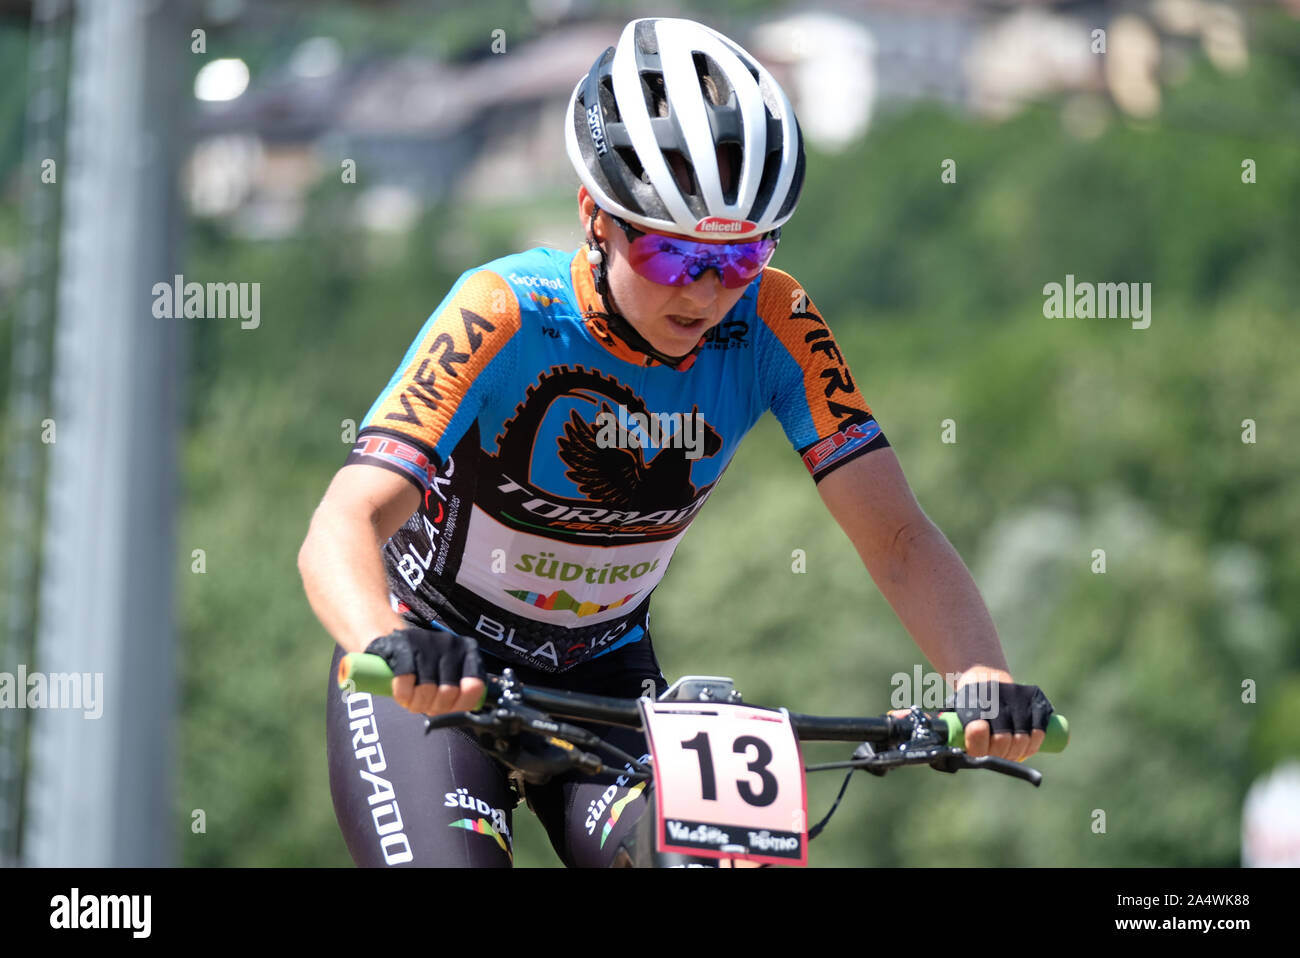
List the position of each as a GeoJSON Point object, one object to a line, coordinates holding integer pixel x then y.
{"type": "Point", "coordinates": [618, 323]}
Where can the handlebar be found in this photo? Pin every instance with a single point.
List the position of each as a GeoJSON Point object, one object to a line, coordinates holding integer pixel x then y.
{"type": "Point", "coordinates": [370, 673]}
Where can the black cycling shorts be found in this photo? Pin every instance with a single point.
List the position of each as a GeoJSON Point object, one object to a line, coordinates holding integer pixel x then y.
{"type": "Point", "coordinates": [406, 798]}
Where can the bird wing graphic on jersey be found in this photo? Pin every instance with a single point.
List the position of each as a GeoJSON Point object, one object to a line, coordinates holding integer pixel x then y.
{"type": "Point", "coordinates": [606, 474]}
{"type": "Point", "coordinates": [619, 475]}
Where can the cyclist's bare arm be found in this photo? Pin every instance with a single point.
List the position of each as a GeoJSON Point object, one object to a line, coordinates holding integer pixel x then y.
{"type": "Point", "coordinates": [924, 580]}
{"type": "Point", "coordinates": [343, 573]}
{"type": "Point", "coordinates": [340, 560]}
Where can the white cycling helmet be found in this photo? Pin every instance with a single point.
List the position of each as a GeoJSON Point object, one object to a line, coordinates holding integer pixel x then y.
{"type": "Point", "coordinates": [655, 121]}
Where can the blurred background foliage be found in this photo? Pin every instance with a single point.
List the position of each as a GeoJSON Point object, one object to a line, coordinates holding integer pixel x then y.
{"type": "Point", "coordinates": [1072, 435]}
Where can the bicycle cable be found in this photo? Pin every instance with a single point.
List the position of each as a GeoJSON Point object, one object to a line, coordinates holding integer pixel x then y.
{"type": "Point", "coordinates": [817, 829]}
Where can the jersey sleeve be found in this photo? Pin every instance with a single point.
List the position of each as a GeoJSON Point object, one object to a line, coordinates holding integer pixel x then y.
{"type": "Point", "coordinates": [464, 353]}
{"type": "Point", "coordinates": [806, 381]}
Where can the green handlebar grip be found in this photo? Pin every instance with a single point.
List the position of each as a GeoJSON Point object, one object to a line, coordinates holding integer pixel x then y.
{"type": "Point", "coordinates": [1056, 738]}
{"type": "Point", "coordinates": [370, 673]}
{"type": "Point", "coordinates": [365, 673]}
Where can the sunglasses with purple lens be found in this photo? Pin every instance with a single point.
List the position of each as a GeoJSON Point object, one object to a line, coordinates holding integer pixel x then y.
{"type": "Point", "coordinates": [678, 261]}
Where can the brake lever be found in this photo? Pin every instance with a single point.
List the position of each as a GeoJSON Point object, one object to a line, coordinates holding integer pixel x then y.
{"type": "Point", "coordinates": [868, 759]}
{"type": "Point", "coordinates": [957, 759]}
{"type": "Point", "coordinates": [522, 718]}
{"type": "Point", "coordinates": [941, 758]}
{"type": "Point", "coordinates": [504, 720]}
{"type": "Point", "coordinates": [490, 721]}
{"type": "Point", "coordinates": [515, 719]}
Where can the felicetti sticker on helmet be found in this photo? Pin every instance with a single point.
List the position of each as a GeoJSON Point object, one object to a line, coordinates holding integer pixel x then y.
{"type": "Point", "coordinates": [721, 226]}
{"type": "Point", "coordinates": [729, 781]}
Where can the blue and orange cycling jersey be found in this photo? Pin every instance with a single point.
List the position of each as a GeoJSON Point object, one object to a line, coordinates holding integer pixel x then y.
{"type": "Point", "coordinates": [559, 468]}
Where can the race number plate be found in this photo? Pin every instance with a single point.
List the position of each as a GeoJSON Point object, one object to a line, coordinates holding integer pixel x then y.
{"type": "Point", "coordinates": [729, 781]}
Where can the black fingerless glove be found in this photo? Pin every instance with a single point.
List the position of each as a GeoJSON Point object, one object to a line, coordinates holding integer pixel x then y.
{"type": "Point", "coordinates": [1015, 708]}
{"type": "Point", "coordinates": [435, 657]}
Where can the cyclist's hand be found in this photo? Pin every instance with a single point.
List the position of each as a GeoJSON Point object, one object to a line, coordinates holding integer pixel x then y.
{"type": "Point", "coordinates": [435, 671]}
{"type": "Point", "coordinates": [1001, 718]}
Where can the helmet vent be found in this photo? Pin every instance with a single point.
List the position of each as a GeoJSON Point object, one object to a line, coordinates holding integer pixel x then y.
{"type": "Point", "coordinates": [608, 104]}
{"type": "Point", "coordinates": [729, 162]}
{"type": "Point", "coordinates": [646, 39]}
{"type": "Point", "coordinates": [767, 183]}
{"type": "Point", "coordinates": [796, 184]}
{"type": "Point", "coordinates": [628, 156]}
{"type": "Point", "coordinates": [683, 172]}
{"type": "Point", "coordinates": [713, 81]}
{"type": "Point", "coordinates": [656, 98]}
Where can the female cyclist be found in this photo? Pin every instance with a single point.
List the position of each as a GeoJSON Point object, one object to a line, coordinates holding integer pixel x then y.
{"type": "Point", "coordinates": [519, 486]}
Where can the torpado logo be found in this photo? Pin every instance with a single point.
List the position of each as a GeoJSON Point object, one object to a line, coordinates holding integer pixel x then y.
{"type": "Point", "coordinates": [535, 281]}
{"type": "Point", "coordinates": [720, 224]}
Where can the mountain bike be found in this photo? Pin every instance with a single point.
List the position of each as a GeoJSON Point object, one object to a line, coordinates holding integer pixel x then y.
{"type": "Point", "coordinates": [725, 782]}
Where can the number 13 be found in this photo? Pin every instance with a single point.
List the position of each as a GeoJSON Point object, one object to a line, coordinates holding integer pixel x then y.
{"type": "Point", "coordinates": [758, 765]}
